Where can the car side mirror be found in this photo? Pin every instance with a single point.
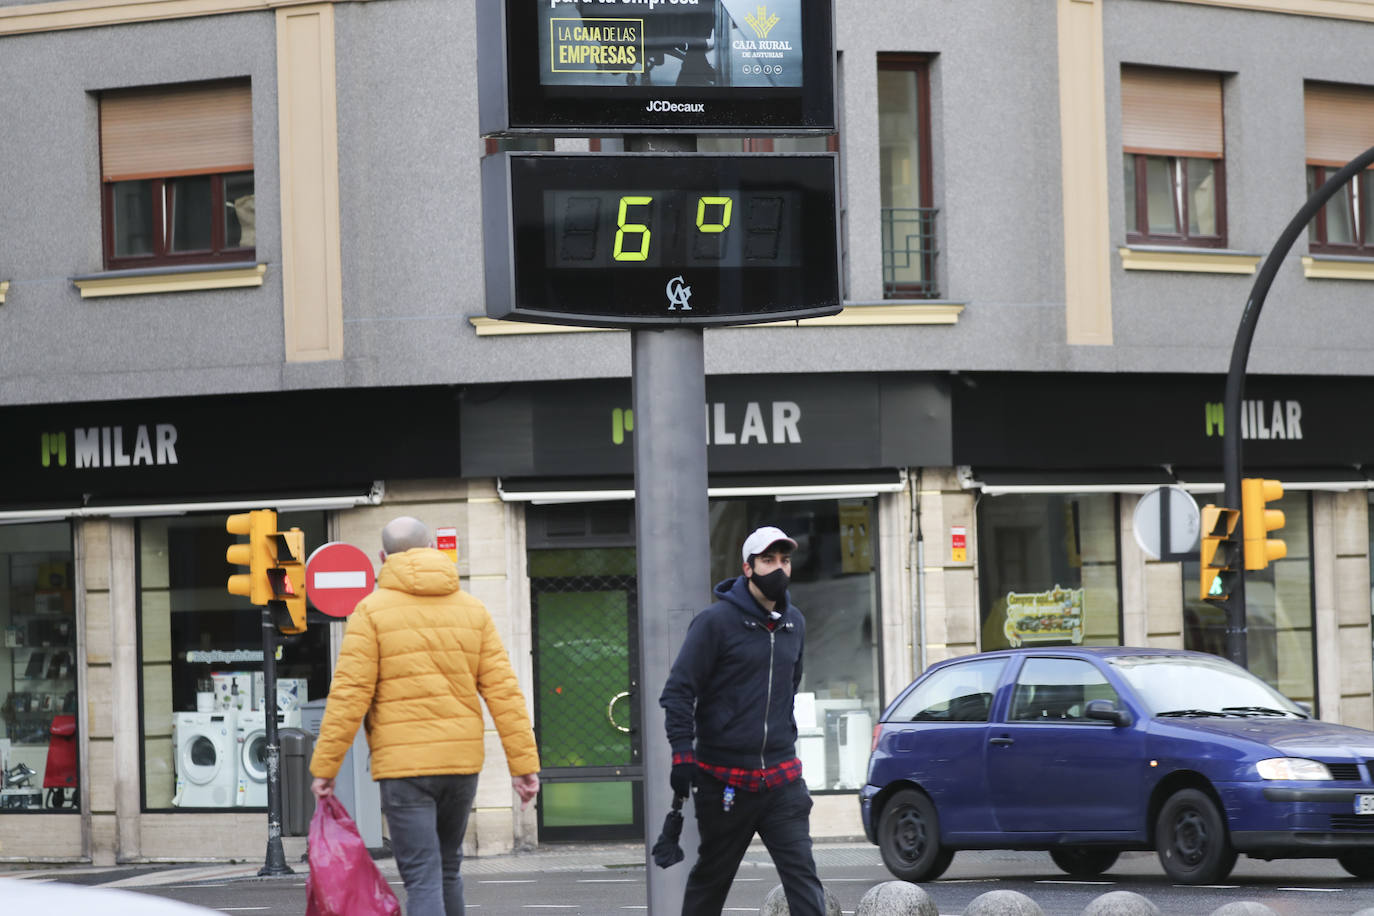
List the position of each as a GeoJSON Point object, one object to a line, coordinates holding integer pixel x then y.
{"type": "Point", "coordinates": [1304, 706]}
{"type": "Point", "coordinates": [1106, 710]}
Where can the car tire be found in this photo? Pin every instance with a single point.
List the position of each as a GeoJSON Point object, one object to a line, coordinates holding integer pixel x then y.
{"type": "Point", "coordinates": [1359, 862]}
{"type": "Point", "coordinates": [1191, 840]}
{"type": "Point", "coordinates": [1084, 861]}
{"type": "Point", "coordinates": [909, 838]}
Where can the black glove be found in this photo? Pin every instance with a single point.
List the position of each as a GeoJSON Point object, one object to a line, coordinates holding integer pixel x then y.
{"type": "Point", "coordinates": [681, 778]}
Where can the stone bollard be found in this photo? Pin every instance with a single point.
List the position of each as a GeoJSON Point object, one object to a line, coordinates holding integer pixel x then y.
{"type": "Point", "coordinates": [1003, 903]}
{"type": "Point", "coordinates": [896, 898]}
{"type": "Point", "coordinates": [1121, 903]}
{"type": "Point", "coordinates": [1244, 908]}
{"type": "Point", "coordinates": [775, 904]}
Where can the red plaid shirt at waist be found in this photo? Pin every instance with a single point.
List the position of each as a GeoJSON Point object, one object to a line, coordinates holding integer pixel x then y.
{"type": "Point", "coordinates": [756, 780]}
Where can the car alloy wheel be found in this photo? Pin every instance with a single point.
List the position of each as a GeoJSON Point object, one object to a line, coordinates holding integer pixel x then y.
{"type": "Point", "coordinates": [909, 838]}
{"type": "Point", "coordinates": [1190, 838]}
{"type": "Point", "coordinates": [1084, 861]}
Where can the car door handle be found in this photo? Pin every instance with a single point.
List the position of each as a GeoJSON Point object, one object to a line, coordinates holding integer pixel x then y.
{"type": "Point", "coordinates": [1002, 740]}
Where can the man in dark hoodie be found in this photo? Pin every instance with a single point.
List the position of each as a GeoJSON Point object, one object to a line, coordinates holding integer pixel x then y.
{"type": "Point", "coordinates": [728, 713]}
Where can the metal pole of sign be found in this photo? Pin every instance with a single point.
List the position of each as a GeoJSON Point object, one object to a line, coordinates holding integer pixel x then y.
{"type": "Point", "coordinates": [1237, 632]}
{"type": "Point", "coordinates": [276, 856]}
{"type": "Point", "coordinates": [671, 534]}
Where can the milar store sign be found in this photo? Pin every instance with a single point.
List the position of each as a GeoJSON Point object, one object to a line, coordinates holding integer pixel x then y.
{"type": "Point", "coordinates": [766, 423]}
{"type": "Point", "coordinates": [122, 451]}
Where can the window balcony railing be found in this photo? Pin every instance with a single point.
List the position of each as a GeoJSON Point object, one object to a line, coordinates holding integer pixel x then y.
{"type": "Point", "coordinates": [909, 253]}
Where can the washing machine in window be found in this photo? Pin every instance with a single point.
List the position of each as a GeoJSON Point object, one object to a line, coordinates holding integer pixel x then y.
{"type": "Point", "coordinates": [251, 748]}
{"type": "Point", "coordinates": [206, 765]}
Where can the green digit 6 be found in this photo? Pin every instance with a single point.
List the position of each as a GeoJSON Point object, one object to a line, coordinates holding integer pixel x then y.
{"type": "Point", "coordinates": [619, 252]}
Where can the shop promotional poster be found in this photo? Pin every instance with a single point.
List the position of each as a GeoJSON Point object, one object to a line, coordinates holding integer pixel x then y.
{"type": "Point", "coordinates": [682, 43]}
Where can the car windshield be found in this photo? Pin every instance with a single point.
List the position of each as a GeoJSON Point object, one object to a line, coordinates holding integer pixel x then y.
{"type": "Point", "coordinates": [1201, 686]}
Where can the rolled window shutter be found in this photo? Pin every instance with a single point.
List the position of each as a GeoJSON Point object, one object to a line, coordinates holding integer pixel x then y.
{"type": "Point", "coordinates": [1340, 122]}
{"type": "Point", "coordinates": [1171, 112]}
{"type": "Point", "coordinates": [158, 132]}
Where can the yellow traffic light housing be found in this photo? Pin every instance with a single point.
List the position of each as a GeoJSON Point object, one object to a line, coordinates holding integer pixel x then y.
{"type": "Point", "coordinates": [257, 554]}
{"type": "Point", "coordinates": [288, 581]}
{"type": "Point", "coordinates": [1220, 555]}
{"type": "Point", "coordinates": [276, 567]}
{"type": "Point", "coordinates": [1260, 549]}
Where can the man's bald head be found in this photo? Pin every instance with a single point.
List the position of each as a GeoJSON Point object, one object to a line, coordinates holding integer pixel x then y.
{"type": "Point", "coordinates": [404, 533]}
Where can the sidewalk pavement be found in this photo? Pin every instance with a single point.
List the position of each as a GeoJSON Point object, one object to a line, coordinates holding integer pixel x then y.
{"type": "Point", "coordinates": [548, 858]}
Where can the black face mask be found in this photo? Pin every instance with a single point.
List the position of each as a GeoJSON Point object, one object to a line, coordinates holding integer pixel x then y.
{"type": "Point", "coordinates": [773, 585]}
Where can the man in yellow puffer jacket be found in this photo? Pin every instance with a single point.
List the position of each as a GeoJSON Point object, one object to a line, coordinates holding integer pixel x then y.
{"type": "Point", "coordinates": [416, 655]}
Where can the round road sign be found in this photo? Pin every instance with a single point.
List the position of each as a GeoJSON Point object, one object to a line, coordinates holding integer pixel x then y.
{"type": "Point", "coordinates": [337, 577]}
{"type": "Point", "coordinates": [1167, 524]}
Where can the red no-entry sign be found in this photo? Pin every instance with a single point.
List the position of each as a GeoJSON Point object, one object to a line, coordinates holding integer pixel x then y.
{"type": "Point", "coordinates": [337, 577]}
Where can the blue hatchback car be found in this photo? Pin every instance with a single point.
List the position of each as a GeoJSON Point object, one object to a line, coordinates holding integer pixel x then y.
{"type": "Point", "coordinates": [1086, 752]}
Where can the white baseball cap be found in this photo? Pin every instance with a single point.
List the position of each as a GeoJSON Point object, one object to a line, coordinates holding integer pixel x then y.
{"type": "Point", "coordinates": [763, 538]}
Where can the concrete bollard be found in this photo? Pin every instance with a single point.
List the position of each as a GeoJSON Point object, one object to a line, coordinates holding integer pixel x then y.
{"type": "Point", "coordinates": [775, 904]}
{"type": "Point", "coordinates": [1003, 903]}
{"type": "Point", "coordinates": [1244, 908]}
{"type": "Point", "coordinates": [1121, 903]}
{"type": "Point", "coordinates": [896, 898]}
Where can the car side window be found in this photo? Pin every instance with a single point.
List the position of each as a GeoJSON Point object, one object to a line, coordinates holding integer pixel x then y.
{"type": "Point", "coordinates": [959, 693]}
{"type": "Point", "coordinates": [1058, 690]}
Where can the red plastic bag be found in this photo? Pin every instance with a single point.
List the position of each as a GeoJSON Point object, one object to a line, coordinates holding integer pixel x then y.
{"type": "Point", "coordinates": [343, 879]}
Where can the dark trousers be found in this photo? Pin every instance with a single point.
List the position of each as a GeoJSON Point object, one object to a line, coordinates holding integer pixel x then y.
{"type": "Point", "coordinates": [428, 816]}
{"type": "Point", "coordinates": [782, 819]}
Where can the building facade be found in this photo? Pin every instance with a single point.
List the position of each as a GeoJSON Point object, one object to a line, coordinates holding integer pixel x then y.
{"type": "Point", "coordinates": [1052, 217]}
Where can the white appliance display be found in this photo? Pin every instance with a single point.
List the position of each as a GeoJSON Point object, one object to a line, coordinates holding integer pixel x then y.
{"type": "Point", "coordinates": [206, 768]}
{"type": "Point", "coordinates": [251, 754]}
{"type": "Point", "coordinates": [855, 742]}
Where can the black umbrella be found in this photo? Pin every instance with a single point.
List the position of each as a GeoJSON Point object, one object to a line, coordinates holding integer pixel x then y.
{"type": "Point", "coordinates": [667, 852]}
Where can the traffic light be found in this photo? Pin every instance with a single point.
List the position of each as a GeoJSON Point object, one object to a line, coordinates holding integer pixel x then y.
{"type": "Point", "coordinates": [1258, 521]}
{"type": "Point", "coordinates": [1221, 562]}
{"type": "Point", "coordinates": [257, 554]}
{"type": "Point", "coordinates": [287, 576]}
{"type": "Point", "coordinates": [276, 567]}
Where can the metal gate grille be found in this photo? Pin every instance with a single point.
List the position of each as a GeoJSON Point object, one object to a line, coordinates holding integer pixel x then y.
{"type": "Point", "coordinates": [586, 664]}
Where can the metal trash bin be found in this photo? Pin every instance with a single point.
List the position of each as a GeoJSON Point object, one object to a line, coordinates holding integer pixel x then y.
{"type": "Point", "coordinates": [298, 802]}
{"type": "Point", "coordinates": [353, 785]}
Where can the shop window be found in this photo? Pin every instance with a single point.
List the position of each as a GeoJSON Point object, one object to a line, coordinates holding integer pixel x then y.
{"type": "Point", "coordinates": [1278, 609]}
{"type": "Point", "coordinates": [834, 583]}
{"type": "Point", "coordinates": [38, 760]}
{"type": "Point", "coordinates": [904, 179]}
{"type": "Point", "coordinates": [1339, 122]}
{"type": "Point", "coordinates": [177, 174]}
{"type": "Point", "coordinates": [1174, 157]}
{"type": "Point", "coordinates": [200, 654]}
{"type": "Point", "coordinates": [1049, 570]}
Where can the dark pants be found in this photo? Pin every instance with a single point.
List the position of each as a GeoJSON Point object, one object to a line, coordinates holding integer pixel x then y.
{"type": "Point", "coordinates": [428, 816]}
{"type": "Point", "coordinates": [781, 817]}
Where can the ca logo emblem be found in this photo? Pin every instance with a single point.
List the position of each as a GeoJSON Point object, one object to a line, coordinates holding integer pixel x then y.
{"type": "Point", "coordinates": [679, 293]}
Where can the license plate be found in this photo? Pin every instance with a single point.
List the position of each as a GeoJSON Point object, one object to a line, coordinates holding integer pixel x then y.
{"type": "Point", "coordinates": [1364, 804]}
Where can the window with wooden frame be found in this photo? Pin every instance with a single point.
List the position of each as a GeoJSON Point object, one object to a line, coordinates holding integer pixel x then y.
{"type": "Point", "coordinates": [1339, 126]}
{"type": "Point", "coordinates": [904, 177]}
{"type": "Point", "coordinates": [176, 168]}
{"type": "Point", "coordinates": [1174, 157]}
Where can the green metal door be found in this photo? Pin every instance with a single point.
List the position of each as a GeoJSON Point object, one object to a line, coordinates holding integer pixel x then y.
{"type": "Point", "coordinates": [586, 699]}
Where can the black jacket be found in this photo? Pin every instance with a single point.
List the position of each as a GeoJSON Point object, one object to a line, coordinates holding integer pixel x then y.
{"type": "Point", "coordinates": [734, 682]}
